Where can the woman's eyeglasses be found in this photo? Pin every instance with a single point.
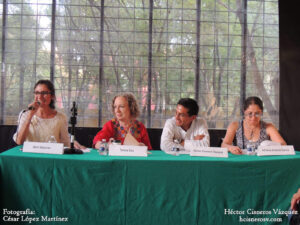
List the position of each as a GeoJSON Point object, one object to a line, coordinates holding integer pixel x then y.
{"type": "Point", "coordinates": [250, 115]}
{"type": "Point", "coordinates": [42, 93]}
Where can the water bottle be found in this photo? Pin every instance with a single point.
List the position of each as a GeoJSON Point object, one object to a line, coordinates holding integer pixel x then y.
{"type": "Point", "coordinates": [52, 139]}
{"type": "Point", "coordinates": [251, 148]}
{"type": "Point", "coordinates": [175, 150]}
{"type": "Point", "coordinates": [103, 149]}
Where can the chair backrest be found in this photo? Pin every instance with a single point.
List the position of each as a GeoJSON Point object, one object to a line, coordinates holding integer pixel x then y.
{"type": "Point", "coordinates": [6, 137]}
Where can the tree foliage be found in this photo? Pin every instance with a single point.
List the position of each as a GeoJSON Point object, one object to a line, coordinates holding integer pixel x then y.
{"type": "Point", "coordinates": [127, 34]}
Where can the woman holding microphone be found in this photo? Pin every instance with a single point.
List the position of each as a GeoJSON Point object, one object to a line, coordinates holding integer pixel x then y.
{"type": "Point", "coordinates": [41, 122]}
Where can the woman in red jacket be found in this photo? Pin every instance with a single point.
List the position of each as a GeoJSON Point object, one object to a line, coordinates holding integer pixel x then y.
{"type": "Point", "coordinates": [125, 109]}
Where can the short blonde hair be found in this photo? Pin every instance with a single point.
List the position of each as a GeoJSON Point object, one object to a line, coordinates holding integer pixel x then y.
{"type": "Point", "coordinates": [132, 103]}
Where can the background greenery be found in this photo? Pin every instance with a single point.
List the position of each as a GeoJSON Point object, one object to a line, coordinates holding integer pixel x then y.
{"type": "Point", "coordinates": [79, 75]}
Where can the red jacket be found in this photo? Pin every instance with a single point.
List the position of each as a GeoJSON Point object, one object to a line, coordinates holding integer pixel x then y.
{"type": "Point", "coordinates": [112, 129]}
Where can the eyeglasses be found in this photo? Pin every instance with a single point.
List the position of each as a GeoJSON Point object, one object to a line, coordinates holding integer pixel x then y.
{"type": "Point", "coordinates": [250, 115]}
{"type": "Point", "coordinates": [42, 93]}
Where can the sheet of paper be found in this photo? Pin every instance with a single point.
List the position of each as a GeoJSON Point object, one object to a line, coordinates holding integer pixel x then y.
{"type": "Point", "coordinates": [86, 150]}
{"type": "Point", "coordinates": [130, 140]}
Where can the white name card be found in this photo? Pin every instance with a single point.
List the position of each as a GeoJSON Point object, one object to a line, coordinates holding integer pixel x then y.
{"type": "Point", "coordinates": [43, 147]}
{"type": "Point", "coordinates": [184, 152]}
{"type": "Point", "coordinates": [209, 152]}
{"type": "Point", "coordinates": [275, 150]}
{"type": "Point", "coordinates": [128, 150]}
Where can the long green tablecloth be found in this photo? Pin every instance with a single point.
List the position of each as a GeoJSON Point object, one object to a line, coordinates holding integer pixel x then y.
{"type": "Point", "coordinates": [159, 189]}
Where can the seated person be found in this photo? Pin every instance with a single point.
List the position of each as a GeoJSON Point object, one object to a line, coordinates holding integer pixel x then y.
{"type": "Point", "coordinates": [184, 126]}
{"type": "Point", "coordinates": [295, 199]}
{"type": "Point", "coordinates": [294, 219]}
{"type": "Point", "coordinates": [125, 110]}
{"type": "Point", "coordinates": [251, 128]}
{"type": "Point", "coordinates": [41, 121]}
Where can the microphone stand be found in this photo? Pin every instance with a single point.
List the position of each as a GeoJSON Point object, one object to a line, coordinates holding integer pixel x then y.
{"type": "Point", "coordinates": [73, 122]}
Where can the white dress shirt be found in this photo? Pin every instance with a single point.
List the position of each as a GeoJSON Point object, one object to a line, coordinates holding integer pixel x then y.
{"type": "Point", "coordinates": [173, 132]}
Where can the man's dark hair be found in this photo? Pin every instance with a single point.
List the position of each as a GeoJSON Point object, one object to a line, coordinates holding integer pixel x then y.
{"type": "Point", "coordinates": [190, 104]}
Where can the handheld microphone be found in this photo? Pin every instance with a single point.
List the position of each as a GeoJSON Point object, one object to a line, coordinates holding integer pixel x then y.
{"type": "Point", "coordinates": [32, 107]}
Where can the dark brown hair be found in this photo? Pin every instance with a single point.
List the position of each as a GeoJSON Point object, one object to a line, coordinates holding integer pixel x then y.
{"type": "Point", "coordinates": [253, 100]}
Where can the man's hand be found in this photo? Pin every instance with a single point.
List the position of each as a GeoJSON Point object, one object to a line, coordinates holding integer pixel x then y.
{"type": "Point", "coordinates": [199, 137]}
{"type": "Point", "coordinates": [295, 199]}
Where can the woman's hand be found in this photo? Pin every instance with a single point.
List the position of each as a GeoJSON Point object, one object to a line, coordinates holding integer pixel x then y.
{"type": "Point", "coordinates": [235, 150]}
{"type": "Point", "coordinates": [110, 141]}
{"type": "Point", "coordinates": [97, 145]}
{"type": "Point", "coordinates": [77, 145]}
{"type": "Point", "coordinates": [33, 107]}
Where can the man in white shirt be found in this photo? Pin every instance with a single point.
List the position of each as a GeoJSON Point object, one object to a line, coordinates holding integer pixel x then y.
{"type": "Point", "coordinates": [184, 126]}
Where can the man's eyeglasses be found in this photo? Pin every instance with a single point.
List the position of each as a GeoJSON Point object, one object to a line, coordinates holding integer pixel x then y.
{"type": "Point", "coordinates": [42, 93]}
{"type": "Point", "coordinates": [250, 115]}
